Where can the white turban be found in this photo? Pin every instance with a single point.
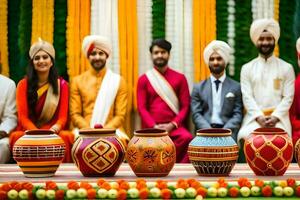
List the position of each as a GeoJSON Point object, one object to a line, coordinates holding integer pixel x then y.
{"type": "Point", "coordinates": [41, 45]}
{"type": "Point", "coordinates": [220, 47]}
{"type": "Point", "coordinates": [92, 41]}
{"type": "Point", "coordinates": [298, 45]}
{"type": "Point", "coordinates": [260, 25]}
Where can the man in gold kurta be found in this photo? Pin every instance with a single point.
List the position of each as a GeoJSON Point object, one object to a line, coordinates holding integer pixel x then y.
{"type": "Point", "coordinates": [98, 96]}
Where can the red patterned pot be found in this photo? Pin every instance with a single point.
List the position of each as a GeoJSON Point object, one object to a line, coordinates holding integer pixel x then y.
{"type": "Point", "coordinates": [213, 152]}
{"type": "Point", "coordinates": [98, 152]}
{"type": "Point", "coordinates": [268, 151]}
{"type": "Point", "coordinates": [151, 152]}
{"type": "Point", "coordinates": [39, 153]}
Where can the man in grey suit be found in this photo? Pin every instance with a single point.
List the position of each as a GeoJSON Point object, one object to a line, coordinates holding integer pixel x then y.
{"type": "Point", "coordinates": [217, 101]}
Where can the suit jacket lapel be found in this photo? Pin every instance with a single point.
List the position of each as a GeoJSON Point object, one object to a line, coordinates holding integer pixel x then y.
{"type": "Point", "coordinates": [225, 89]}
{"type": "Point", "coordinates": [208, 93]}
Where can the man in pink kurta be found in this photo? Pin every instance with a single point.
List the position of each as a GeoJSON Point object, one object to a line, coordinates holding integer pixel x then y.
{"type": "Point", "coordinates": [153, 109]}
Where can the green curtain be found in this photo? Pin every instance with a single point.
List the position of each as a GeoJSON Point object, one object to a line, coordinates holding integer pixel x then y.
{"type": "Point", "coordinates": [158, 18]}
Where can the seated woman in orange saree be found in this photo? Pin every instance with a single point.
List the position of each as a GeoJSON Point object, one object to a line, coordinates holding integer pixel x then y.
{"type": "Point", "coordinates": [42, 98]}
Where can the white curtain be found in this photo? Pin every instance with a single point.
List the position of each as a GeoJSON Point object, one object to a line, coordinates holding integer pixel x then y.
{"type": "Point", "coordinates": [144, 14]}
{"type": "Point", "coordinates": [104, 21]}
{"type": "Point", "coordinates": [179, 33]}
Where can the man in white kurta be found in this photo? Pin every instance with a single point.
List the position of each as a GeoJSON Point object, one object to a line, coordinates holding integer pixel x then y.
{"type": "Point", "coordinates": [267, 83]}
{"type": "Point", "coordinates": [8, 118]}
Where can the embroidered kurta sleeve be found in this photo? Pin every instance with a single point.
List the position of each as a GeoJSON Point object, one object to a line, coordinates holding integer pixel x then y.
{"type": "Point", "coordinates": [9, 118]}
{"type": "Point", "coordinates": [76, 105]}
{"type": "Point", "coordinates": [184, 102]}
{"type": "Point", "coordinates": [247, 94]}
{"type": "Point", "coordinates": [22, 106]}
{"type": "Point", "coordinates": [120, 107]}
{"type": "Point", "coordinates": [142, 102]}
{"type": "Point", "coordinates": [287, 94]}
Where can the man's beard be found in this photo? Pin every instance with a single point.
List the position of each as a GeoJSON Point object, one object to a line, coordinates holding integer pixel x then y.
{"type": "Point", "coordinates": [163, 62]}
{"type": "Point", "coordinates": [98, 66]}
{"type": "Point", "coordinates": [268, 51]}
{"type": "Point", "coordinates": [216, 70]}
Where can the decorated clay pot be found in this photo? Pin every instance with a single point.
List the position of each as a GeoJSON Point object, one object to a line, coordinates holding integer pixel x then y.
{"type": "Point", "coordinates": [39, 153]}
{"type": "Point", "coordinates": [268, 151]}
{"type": "Point", "coordinates": [98, 152]}
{"type": "Point", "coordinates": [151, 152]}
{"type": "Point", "coordinates": [213, 152]}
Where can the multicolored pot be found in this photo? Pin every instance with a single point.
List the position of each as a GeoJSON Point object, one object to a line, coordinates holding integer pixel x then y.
{"type": "Point", "coordinates": [151, 153]}
{"type": "Point", "coordinates": [213, 152]}
{"type": "Point", "coordinates": [39, 153]}
{"type": "Point", "coordinates": [268, 151]}
{"type": "Point", "coordinates": [98, 152]}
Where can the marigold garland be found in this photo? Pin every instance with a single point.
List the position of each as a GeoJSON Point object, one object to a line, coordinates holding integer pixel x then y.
{"type": "Point", "coordinates": [42, 20]}
{"type": "Point", "coordinates": [3, 38]}
{"type": "Point", "coordinates": [78, 26]}
{"type": "Point", "coordinates": [141, 189]}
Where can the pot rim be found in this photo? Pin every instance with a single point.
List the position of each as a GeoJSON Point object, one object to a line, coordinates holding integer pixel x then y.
{"type": "Point", "coordinates": [39, 132]}
{"type": "Point", "coordinates": [95, 131]}
{"type": "Point", "coordinates": [269, 131]}
{"type": "Point", "coordinates": [215, 132]}
{"type": "Point", "coordinates": [153, 132]}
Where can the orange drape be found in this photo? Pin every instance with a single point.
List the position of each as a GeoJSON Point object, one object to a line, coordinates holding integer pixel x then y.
{"type": "Point", "coordinates": [127, 16]}
{"type": "Point", "coordinates": [204, 31]}
{"type": "Point", "coordinates": [78, 26]}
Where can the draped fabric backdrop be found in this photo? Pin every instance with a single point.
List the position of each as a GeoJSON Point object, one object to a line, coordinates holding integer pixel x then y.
{"type": "Point", "coordinates": [131, 25]}
{"type": "Point", "coordinates": [104, 21]}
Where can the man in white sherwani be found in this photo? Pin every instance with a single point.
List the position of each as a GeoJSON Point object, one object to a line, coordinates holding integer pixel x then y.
{"type": "Point", "coordinates": [8, 118]}
{"type": "Point", "coordinates": [267, 83]}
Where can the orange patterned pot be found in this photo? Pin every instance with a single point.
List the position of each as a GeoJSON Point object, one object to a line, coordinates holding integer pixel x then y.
{"type": "Point", "coordinates": [98, 152]}
{"type": "Point", "coordinates": [39, 153]}
{"type": "Point", "coordinates": [268, 151]}
{"type": "Point", "coordinates": [213, 152]}
{"type": "Point", "coordinates": [151, 152]}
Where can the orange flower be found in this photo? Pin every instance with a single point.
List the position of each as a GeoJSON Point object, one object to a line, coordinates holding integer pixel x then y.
{"type": "Point", "coordinates": [181, 183]}
{"type": "Point", "coordinates": [124, 185]}
{"type": "Point", "coordinates": [3, 195]}
{"type": "Point", "coordinates": [106, 186]}
{"type": "Point", "coordinates": [140, 180]}
{"type": "Point", "coordinates": [196, 185]}
{"type": "Point", "coordinates": [190, 181]}
{"type": "Point", "coordinates": [73, 185]}
{"type": "Point", "coordinates": [91, 193]}
{"type": "Point", "coordinates": [122, 194]}
{"type": "Point", "coordinates": [17, 186]}
{"type": "Point", "coordinates": [50, 185]}
{"type": "Point", "coordinates": [266, 191]}
{"type": "Point", "coordinates": [202, 191]}
{"type": "Point", "coordinates": [291, 182]}
{"type": "Point", "coordinates": [166, 193]}
{"type": "Point", "coordinates": [6, 187]}
{"type": "Point", "coordinates": [259, 183]}
{"type": "Point", "coordinates": [144, 193]}
{"type": "Point", "coordinates": [59, 194]}
{"type": "Point", "coordinates": [85, 185]}
{"type": "Point", "coordinates": [141, 185]}
{"type": "Point", "coordinates": [242, 182]}
{"type": "Point", "coordinates": [162, 184]}
{"type": "Point", "coordinates": [100, 182]}
{"type": "Point", "coordinates": [233, 192]}
{"type": "Point", "coordinates": [248, 184]}
{"type": "Point", "coordinates": [27, 185]}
